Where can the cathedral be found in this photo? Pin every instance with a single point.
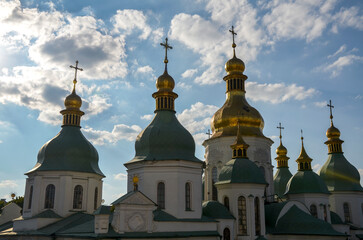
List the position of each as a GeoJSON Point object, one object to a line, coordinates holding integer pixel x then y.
{"type": "Point", "coordinates": [232, 194]}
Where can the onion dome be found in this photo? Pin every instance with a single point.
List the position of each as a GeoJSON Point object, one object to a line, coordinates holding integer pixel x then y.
{"type": "Point", "coordinates": [164, 138]}
{"type": "Point", "coordinates": [236, 108]}
{"type": "Point", "coordinates": [216, 210]}
{"type": "Point", "coordinates": [337, 172]}
{"type": "Point", "coordinates": [69, 150]}
{"type": "Point", "coordinates": [305, 180]}
{"type": "Point", "coordinates": [240, 169]}
{"type": "Point", "coordinates": [283, 173]}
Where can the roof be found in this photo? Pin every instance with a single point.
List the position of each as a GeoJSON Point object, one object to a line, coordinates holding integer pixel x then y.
{"type": "Point", "coordinates": [161, 216]}
{"type": "Point", "coordinates": [216, 210]}
{"type": "Point", "coordinates": [130, 194]}
{"type": "Point", "coordinates": [103, 210]}
{"type": "Point", "coordinates": [306, 182]}
{"type": "Point", "coordinates": [47, 214]}
{"type": "Point", "coordinates": [295, 222]}
{"type": "Point", "coordinates": [68, 151]}
{"type": "Point", "coordinates": [281, 178]}
{"type": "Point", "coordinates": [241, 170]}
{"type": "Point", "coordinates": [335, 219]}
{"type": "Point", "coordinates": [339, 174]}
{"type": "Point", "coordinates": [164, 139]}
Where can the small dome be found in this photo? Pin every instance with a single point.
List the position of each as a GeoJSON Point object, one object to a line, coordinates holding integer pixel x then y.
{"type": "Point", "coordinates": [333, 132]}
{"type": "Point", "coordinates": [306, 182]}
{"type": "Point", "coordinates": [281, 179]}
{"type": "Point", "coordinates": [281, 150]}
{"type": "Point", "coordinates": [165, 82]}
{"type": "Point", "coordinates": [234, 65]}
{"type": "Point", "coordinates": [73, 101]}
{"type": "Point", "coordinates": [216, 210]}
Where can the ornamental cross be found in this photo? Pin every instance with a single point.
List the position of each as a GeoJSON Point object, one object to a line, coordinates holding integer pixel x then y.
{"type": "Point", "coordinates": [75, 72]}
{"type": "Point", "coordinates": [166, 46]}
{"type": "Point", "coordinates": [208, 133]}
{"type": "Point", "coordinates": [233, 33]}
{"type": "Point", "coordinates": [280, 127]}
{"type": "Point", "coordinates": [302, 138]}
{"type": "Point", "coordinates": [331, 110]}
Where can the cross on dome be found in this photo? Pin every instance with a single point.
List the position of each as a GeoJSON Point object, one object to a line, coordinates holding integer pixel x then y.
{"type": "Point", "coordinates": [166, 46]}
{"type": "Point", "coordinates": [331, 111]}
{"type": "Point", "coordinates": [280, 127]}
{"type": "Point", "coordinates": [75, 74]}
{"type": "Point", "coordinates": [233, 44]}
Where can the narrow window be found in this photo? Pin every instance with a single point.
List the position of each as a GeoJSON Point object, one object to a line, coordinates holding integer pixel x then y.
{"type": "Point", "coordinates": [257, 217]}
{"type": "Point", "coordinates": [49, 196]}
{"type": "Point", "coordinates": [226, 234]}
{"type": "Point", "coordinates": [161, 195]}
{"type": "Point", "coordinates": [95, 199]}
{"type": "Point", "coordinates": [313, 210]}
{"type": "Point", "coordinates": [77, 197]}
{"type": "Point", "coordinates": [226, 202]}
{"type": "Point", "coordinates": [30, 197]}
{"type": "Point", "coordinates": [242, 216]}
{"type": "Point", "coordinates": [325, 214]}
{"type": "Point", "coordinates": [187, 197]}
{"type": "Point", "coordinates": [239, 153]}
{"type": "Point", "coordinates": [214, 180]}
{"type": "Point", "coordinates": [362, 208]}
{"type": "Point", "coordinates": [306, 166]}
{"type": "Point", "coordinates": [346, 212]}
{"type": "Point", "coordinates": [301, 166]}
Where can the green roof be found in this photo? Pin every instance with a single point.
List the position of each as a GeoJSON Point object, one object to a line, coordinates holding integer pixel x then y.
{"type": "Point", "coordinates": [129, 194]}
{"type": "Point", "coordinates": [162, 216]}
{"type": "Point", "coordinates": [68, 151]}
{"type": "Point", "coordinates": [306, 182]}
{"type": "Point", "coordinates": [47, 214]}
{"type": "Point", "coordinates": [339, 174]}
{"type": "Point", "coordinates": [281, 178]}
{"type": "Point", "coordinates": [164, 139]}
{"type": "Point", "coordinates": [335, 219]}
{"type": "Point", "coordinates": [216, 210]}
{"type": "Point", "coordinates": [103, 210]}
{"type": "Point", "coordinates": [241, 170]}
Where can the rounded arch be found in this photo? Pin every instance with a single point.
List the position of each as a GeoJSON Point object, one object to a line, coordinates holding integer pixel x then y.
{"type": "Point", "coordinates": [346, 211]}
{"type": "Point", "coordinates": [226, 202]}
{"type": "Point", "coordinates": [161, 195]}
{"type": "Point", "coordinates": [49, 196]}
{"type": "Point", "coordinates": [242, 215]}
{"type": "Point", "coordinates": [77, 197]}
{"type": "Point", "coordinates": [313, 210]}
{"type": "Point", "coordinates": [226, 234]}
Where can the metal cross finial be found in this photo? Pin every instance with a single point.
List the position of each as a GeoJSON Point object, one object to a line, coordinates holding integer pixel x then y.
{"type": "Point", "coordinates": [280, 127]}
{"type": "Point", "coordinates": [233, 33]}
{"type": "Point", "coordinates": [75, 74]}
{"type": "Point", "coordinates": [302, 138]}
{"type": "Point", "coordinates": [166, 46]}
{"type": "Point", "coordinates": [208, 133]}
{"type": "Point", "coordinates": [331, 111]}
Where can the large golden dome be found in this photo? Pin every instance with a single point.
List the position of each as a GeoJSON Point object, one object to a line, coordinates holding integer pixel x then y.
{"type": "Point", "coordinates": [333, 132]}
{"type": "Point", "coordinates": [234, 65]}
{"type": "Point", "coordinates": [165, 82]}
{"type": "Point", "coordinates": [73, 101]}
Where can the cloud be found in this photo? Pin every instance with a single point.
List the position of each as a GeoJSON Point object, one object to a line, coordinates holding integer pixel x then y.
{"type": "Point", "coordinates": [340, 50]}
{"type": "Point", "coordinates": [320, 104]}
{"type": "Point", "coordinates": [189, 73]}
{"type": "Point", "coordinates": [147, 117]}
{"type": "Point", "coordinates": [336, 67]}
{"type": "Point", "coordinates": [316, 167]}
{"type": "Point", "coordinates": [119, 132]}
{"type": "Point", "coordinates": [197, 119]}
{"type": "Point", "coordinates": [10, 184]}
{"type": "Point", "coordinates": [145, 69]}
{"type": "Point", "coordinates": [120, 176]}
{"type": "Point", "coordinates": [348, 17]}
{"type": "Point", "coordinates": [358, 97]}
{"type": "Point", "coordinates": [277, 92]}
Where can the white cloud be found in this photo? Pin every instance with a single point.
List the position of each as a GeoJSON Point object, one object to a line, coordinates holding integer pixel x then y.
{"type": "Point", "coordinates": [277, 92]}
{"type": "Point", "coordinates": [119, 132]}
{"type": "Point", "coordinates": [337, 66]}
{"type": "Point", "coordinates": [189, 73]}
{"type": "Point", "coordinates": [320, 104]}
{"type": "Point", "coordinates": [358, 97]}
{"type": "Point", "coordinates": [145, 69]}
{"type": "Point", "coordinates": [348, 17]}
{"type": "Point", "coordinates": [316, 167]}
{"type": "Point", "coordinates": [340, 50]}
{"type": "Point", "coordinates": [184, 85]}
{"type": "Point", "coordinates": [10, 184]}
{"type": "Point", "coordinates": [147, 117]}
{"type": "Point", "coordinates": [120, 176]}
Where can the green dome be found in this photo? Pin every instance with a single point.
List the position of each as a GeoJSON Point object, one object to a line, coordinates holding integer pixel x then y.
{"type": "Point", "coordinates": [216, 210]}
{"type": "Point", "coordinates": [306, 182]}
{"type": "Point", "coordinates": [68, 151]}
{"type": "Point", "coordinates": [164, 139]}
{"type": "Point", "coordinates": [241, 170]}
{"type": "Point", "coordinates": [281, 178]}
{"type": "Point", "coordinates": [339, 174]}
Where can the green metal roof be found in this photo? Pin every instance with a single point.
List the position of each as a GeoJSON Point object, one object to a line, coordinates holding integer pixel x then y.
{"type": "Point", "coordinates": [103, 210]}
{"type": "Point", "coordinates": [47, 214]}
{"type": "Point", "coordinates": [162, 216]}
{"type": "Point", "coordinates": [68, 151]}
{"type": "Point", "coordinates": [216, 210]}
{"type": "Point", "coordinates": [335, 219]}
{"type": "Point", "coordinates": [164, 139]}
{"type": "Point", "coordinates": [281, 178]}
{"type": "Point", "coordinates": [339, 174]}
{"type": "Point", "coordinates": [241, 170]}
{"type": "Point", "coordinates": [306, 182]}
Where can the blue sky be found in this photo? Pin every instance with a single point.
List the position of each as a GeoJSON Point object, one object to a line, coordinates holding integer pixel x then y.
{"type": "Point", "coordinates": [298, 55]}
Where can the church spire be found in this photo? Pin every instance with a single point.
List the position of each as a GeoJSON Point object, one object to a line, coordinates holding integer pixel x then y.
{"type": "Point", "coordinates": [165, 84]}
{"type": "Point", "coordinates": [72, 114]}
{"type": "Point", "coordinates": [334, 143]}
{"type": "Point", "coordinates": [304, 161]}
{"type": "Point", "coordinates": [240, 146]}
{"type": "Point", "coordinates": [281, 151]}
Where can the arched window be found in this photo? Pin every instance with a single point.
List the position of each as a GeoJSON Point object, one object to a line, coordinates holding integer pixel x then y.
{"type": "Point", "coordinates": [77, 197]}
{"type": "Point", "coordinates": [226, 234]}
{"type": "Point", "coordinates": [257, 217]}
{"type": "Point", "coordinates": [346, 212]}
{"type": "Point", "coordinates": [214, 180]}
{"type": "Point", "coordinates": [30, 197]}
{"type": "Point", "coordinates": [161, 195]}
{"type": "Point", "coordinates": [49, 196]}
{"type": "Point", "coordinates": [313, 210]}
{"type": "Point", "coordinates": [95, 205]}
{"type": "Point", "coordinates": [187, 197]}
{"type": "Point", "coordinates": [325, 214]}
{"type": "Point", "coordinates": [242, 216]}
{"type": "Point", "coordinates": [226, 202]}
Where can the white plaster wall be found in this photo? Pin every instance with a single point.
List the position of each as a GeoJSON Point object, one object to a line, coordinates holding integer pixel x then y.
{"type": "Point", "coordinates": [218, 152]}
{"type": "Point", "coordinates": [175, 174]}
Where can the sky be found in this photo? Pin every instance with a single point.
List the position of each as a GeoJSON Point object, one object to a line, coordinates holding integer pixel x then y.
{"type": "Point", "coordinates": [298, 56]}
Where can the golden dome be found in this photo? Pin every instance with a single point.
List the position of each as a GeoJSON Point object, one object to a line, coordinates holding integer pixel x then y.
{"type": "Point", "coordinates": [281, 150]}
{"type": "Point", "coordinates": [333, 132]}
{"type": "Point", "coordinates": [234, 65]}
{"type": "Point", "coordinates": [73, 101]}
{"type": "Point", "coordinates": [165, 82]}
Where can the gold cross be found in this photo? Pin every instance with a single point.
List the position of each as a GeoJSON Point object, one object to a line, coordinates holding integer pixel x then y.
{"type": "Point", "coordinates": [166, 46]}
{"type": "Point", "coordinates": [75, 73]}
{"type": "Point", "coordinates": [280, 127]}
{"type": "Point", "coordinates": [302, 138]}
{"type": "Point", "coordinates": [331, 110]}
{"type": "Point", "coordinates": [233, 33]}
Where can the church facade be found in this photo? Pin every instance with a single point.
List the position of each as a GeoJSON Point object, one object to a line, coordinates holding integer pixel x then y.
{"type": "Point", "coordinates": [231, 195]}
